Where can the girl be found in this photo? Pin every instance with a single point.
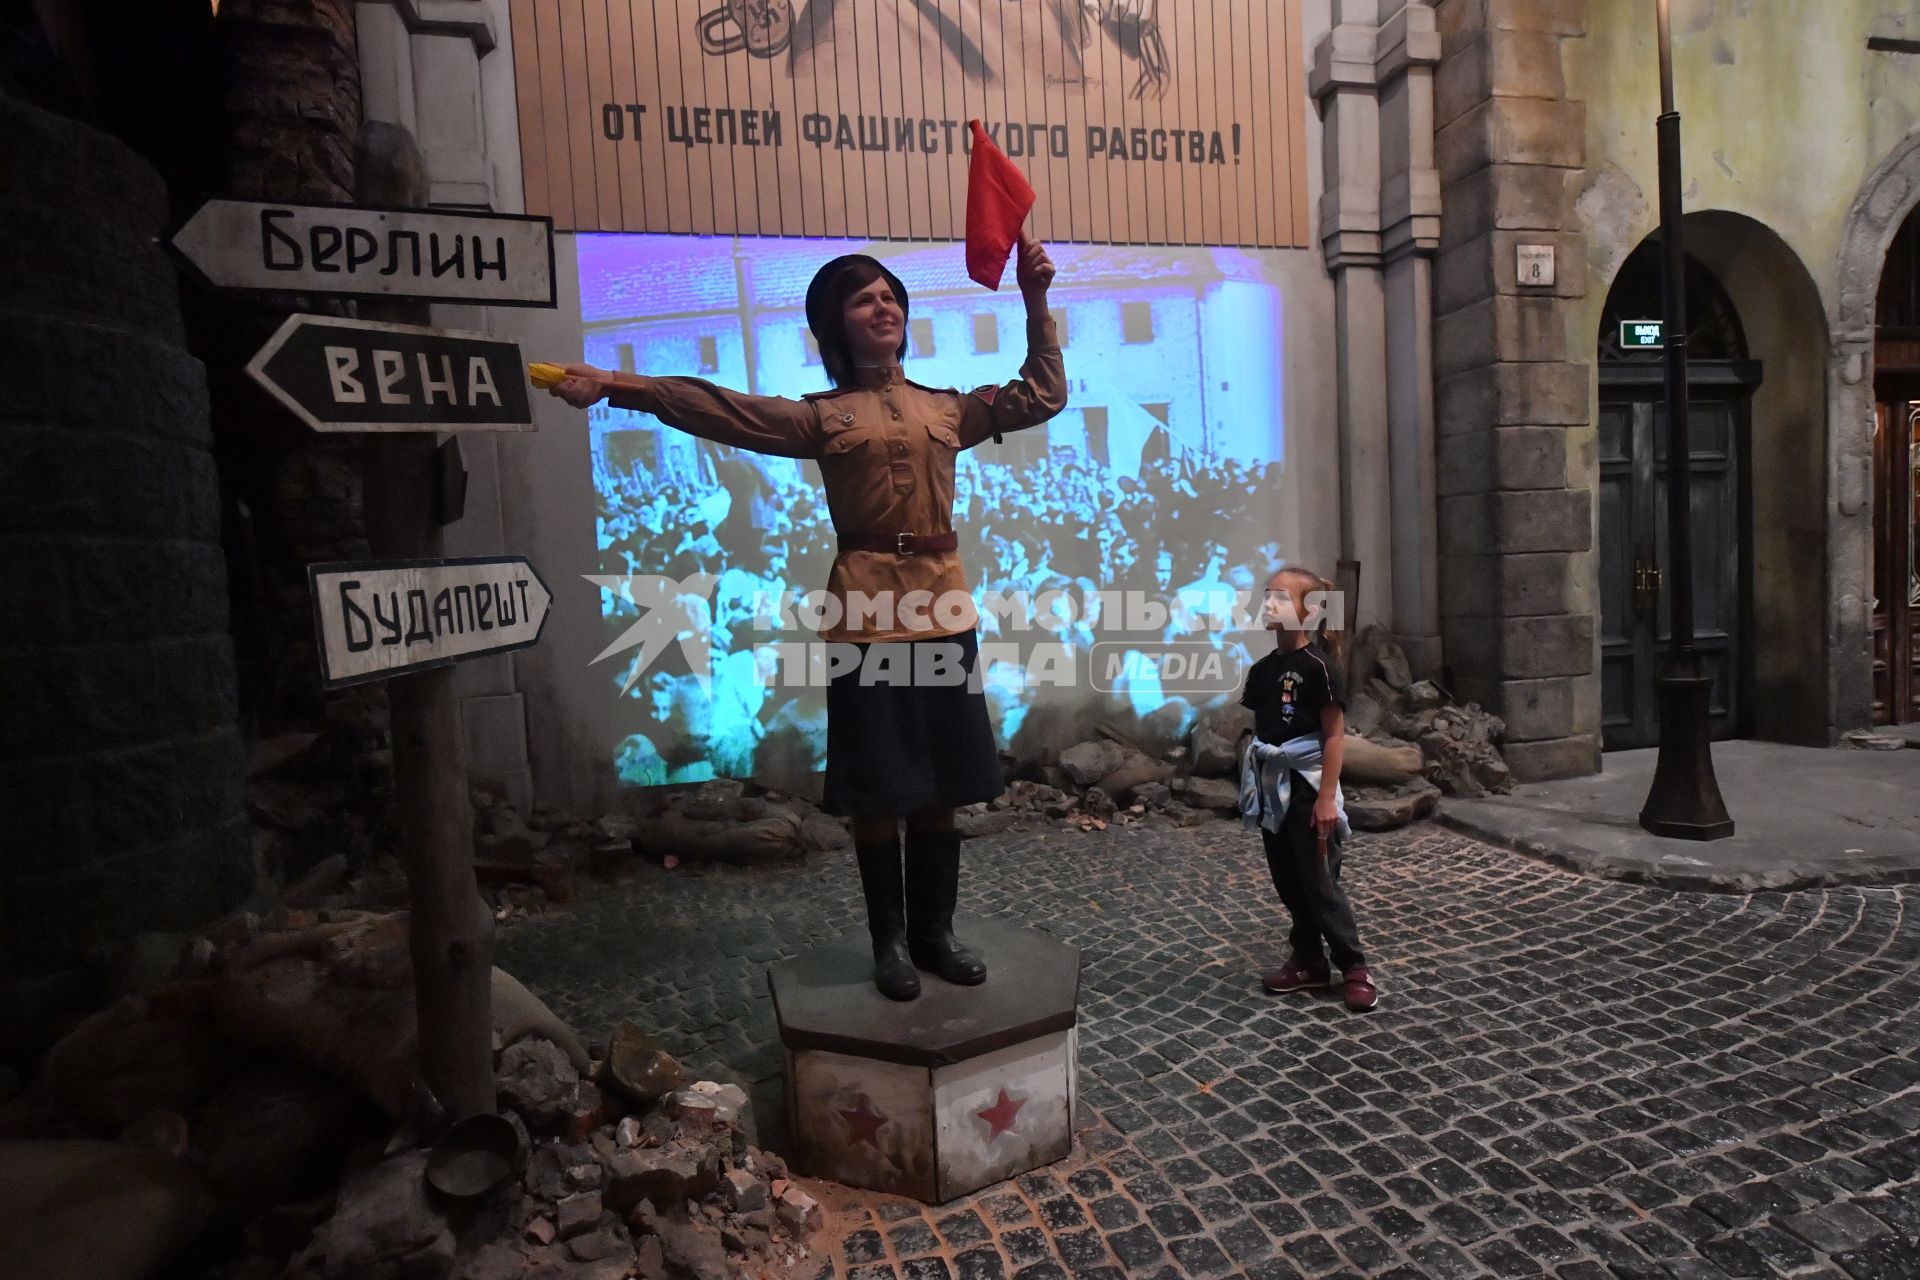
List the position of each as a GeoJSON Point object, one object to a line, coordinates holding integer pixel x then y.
{"type": "Point", "coordinates": [1290, 787]}
{"type": "Point", "coordinates": [897, 748]}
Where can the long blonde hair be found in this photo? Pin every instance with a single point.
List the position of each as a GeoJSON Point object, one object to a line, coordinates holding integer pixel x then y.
{"type": "Point", "coordinates": [1335, 638]}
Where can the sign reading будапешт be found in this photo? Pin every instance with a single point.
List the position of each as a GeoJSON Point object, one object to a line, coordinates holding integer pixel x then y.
{"type": "Point", "coordinates": [424, 255]}
{"type": "Point", "coordinates": [336, 374]}
{"type": "Point", "coordinates": [387, 618]}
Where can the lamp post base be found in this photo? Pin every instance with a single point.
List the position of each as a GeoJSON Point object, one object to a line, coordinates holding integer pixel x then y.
{"type": "Point", "coordinates": [1684, 802]}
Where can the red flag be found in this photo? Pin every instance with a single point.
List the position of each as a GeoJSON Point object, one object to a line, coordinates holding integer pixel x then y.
{"type": "Point", "coordinates": [998, 199]}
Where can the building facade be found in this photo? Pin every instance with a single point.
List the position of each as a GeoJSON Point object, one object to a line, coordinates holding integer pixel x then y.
{"type": "Point", "coordinates": [1800, 155]}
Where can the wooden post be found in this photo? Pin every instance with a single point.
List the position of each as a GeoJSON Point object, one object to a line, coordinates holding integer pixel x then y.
{"type": "Point", "coordinates": [451, 936]}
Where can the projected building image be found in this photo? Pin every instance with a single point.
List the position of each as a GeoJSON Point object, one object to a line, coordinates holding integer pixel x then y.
{"type": "Point", "coordinates": [1172, 434]}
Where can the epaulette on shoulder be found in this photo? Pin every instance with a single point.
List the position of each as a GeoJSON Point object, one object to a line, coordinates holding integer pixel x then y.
{"type": "Point", "coordinates": [828, 394]}
{"type": "Point", "coordinates": [938, 391]}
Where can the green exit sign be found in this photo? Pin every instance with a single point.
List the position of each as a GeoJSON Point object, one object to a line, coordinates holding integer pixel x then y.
{"type": "Point", "coordinates": [1642, 333]}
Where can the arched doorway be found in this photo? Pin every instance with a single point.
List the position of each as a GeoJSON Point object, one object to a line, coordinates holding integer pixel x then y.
{"type": "Point", "coordinates": [1896, 482]}
{"type": "Point", "coordinates": [1632, 466]}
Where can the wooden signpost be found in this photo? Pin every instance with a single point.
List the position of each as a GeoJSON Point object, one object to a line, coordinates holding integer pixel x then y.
{"type": "Point", "coordinates": [410, 615]}
{"type": "Point", "coordinates": [361, 251]}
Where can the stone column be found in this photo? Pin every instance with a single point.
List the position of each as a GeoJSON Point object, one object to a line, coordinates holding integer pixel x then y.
{"type": "Point", "coordinates": [1514, 384]}
{"type": "Point", "coordinates": [1343, 87]}
{"type": "Point", "coordinates": [1379, 227]}
{"type": "Point", "coordinates": [1406, 51]}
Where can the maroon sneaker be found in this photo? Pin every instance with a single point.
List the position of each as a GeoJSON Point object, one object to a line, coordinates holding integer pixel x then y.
{"type": "Point", "coordinates": [1361, 994]}
{"type": "Point", "coordinates": [1294, 976]}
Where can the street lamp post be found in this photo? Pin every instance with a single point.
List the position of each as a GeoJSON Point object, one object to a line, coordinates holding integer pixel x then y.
{"type": "Point", "coordinates": [1684, 801]}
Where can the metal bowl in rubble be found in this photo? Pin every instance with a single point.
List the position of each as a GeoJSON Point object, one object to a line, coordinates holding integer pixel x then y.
{"type": "Point", "coordinates": [474, 1158]}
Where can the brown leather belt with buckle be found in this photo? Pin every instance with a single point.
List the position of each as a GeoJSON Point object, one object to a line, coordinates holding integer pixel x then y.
{"type": "Point", "coordinates": [900, 544]}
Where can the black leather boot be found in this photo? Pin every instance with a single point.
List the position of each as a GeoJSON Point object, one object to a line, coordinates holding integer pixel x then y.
{"type": "Point", "coordinates": [933, 886]}
{"type": "Point", "coordinates": [881, 882]}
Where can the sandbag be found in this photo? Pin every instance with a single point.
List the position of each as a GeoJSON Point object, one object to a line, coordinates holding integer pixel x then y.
{"type": "Point", "coordinates": [518, 1014]}
{"type": "Point", "coordinates": [81, 1210]}
{"type": "Point", "coordinates": [766, 840]}
{"type": "Point", "coordinates": [271, 1133]}
{"type": "Point", "coordinates": [338, 1000]}
{"type": "Point", "coordinates": [823, 833]}
{"type": "Point", "coordinates": [1372, 764]}
{"type": "Point", "coordinates": [1133, 771]}
{"type": "Point", "coordinates": [133, 1057]}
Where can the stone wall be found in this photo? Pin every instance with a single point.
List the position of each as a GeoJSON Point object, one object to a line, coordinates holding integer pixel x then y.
{"type": "Point", "coordinates": [120, 761]}
{"type": "Point", "coordinates": [1372, 81]}
{"type": "Point", "coordinates": [1514, 381]}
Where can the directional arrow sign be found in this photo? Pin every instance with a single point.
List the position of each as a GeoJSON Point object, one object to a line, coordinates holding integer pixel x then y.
{"type": "Point", "coordinates": [360, 375]}
{"type": "Point", "coordinates": [388, 618]}
{"type": "Point", "coordinates": [428, 255]}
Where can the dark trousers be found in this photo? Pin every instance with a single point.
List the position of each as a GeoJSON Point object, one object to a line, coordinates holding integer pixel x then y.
{"type": "Point", "coordinates": [1309, 886]}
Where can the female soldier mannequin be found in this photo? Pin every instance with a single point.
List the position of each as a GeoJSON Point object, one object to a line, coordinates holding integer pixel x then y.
{"type": "Point", "coordinates": [896, 749]}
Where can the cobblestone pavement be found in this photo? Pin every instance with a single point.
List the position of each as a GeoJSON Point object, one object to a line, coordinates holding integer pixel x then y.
{"type": "Point", "coordinates": [1566, 1076]}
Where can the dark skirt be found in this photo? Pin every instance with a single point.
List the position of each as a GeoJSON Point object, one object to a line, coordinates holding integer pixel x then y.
{"type": "Point", "coordinates": [897, 744]}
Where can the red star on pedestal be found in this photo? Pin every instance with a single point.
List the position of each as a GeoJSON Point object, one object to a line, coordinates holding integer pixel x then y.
{"type": "Point", "coordinates": [865, 1122]}
{"type": "Point", "coordinates": [999, 1116]}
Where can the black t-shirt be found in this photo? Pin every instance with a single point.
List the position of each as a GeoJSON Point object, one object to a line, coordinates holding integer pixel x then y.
{"type": "Point", "coordinates": [1288, 689]}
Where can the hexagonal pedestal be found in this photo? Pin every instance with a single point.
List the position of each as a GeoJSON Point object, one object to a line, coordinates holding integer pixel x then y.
{"type": "Point", "coordinates": [936, 1097]}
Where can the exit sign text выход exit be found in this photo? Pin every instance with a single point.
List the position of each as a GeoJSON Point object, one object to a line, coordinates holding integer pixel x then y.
{"type": "Point", "coordinates": [1642, 333]}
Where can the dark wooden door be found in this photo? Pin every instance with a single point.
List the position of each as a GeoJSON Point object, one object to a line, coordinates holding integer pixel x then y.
{"type": "Point", "coordinates": [1896, 552]}
{"type": "Point", "coordinates": [1634, 625]}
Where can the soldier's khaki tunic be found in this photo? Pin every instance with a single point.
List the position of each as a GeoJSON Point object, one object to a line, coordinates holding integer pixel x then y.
{"type": "Point", "coordinates": [886, 450]}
